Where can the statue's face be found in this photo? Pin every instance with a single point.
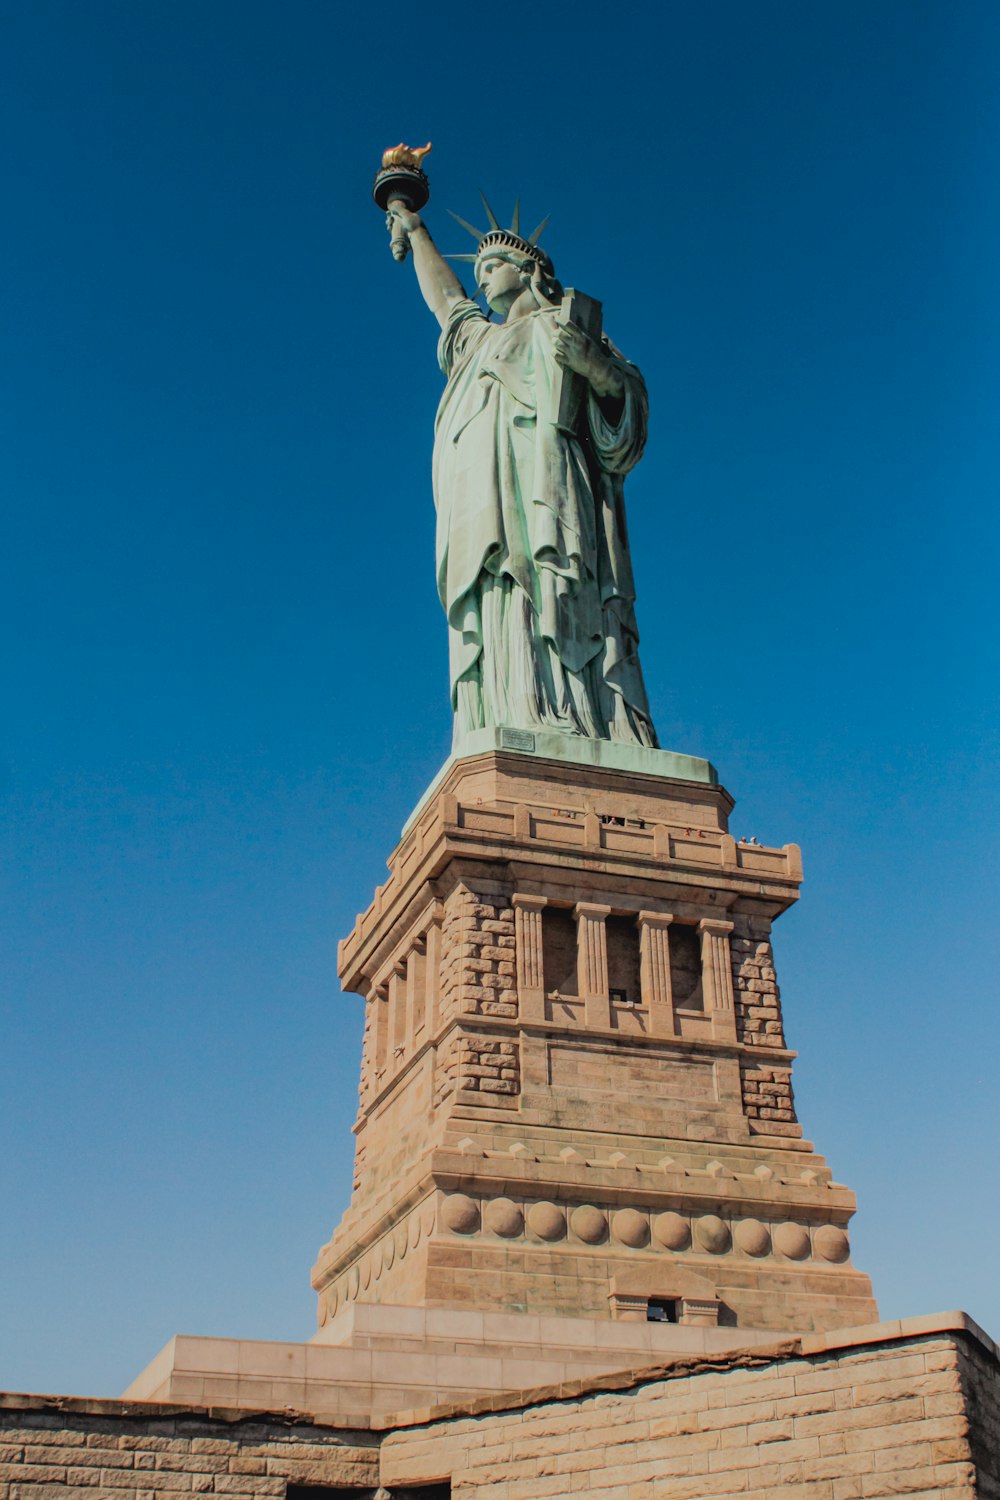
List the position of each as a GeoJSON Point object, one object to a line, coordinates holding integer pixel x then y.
{"type": "Point", "coordinates": [499, 280]}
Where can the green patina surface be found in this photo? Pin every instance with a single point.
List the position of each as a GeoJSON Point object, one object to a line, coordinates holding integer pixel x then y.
{"type": "Point", "coordinates": [541, 420]}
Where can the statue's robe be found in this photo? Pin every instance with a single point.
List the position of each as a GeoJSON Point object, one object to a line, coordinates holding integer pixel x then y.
{"type": "Point", "coordinates": [533, 561]}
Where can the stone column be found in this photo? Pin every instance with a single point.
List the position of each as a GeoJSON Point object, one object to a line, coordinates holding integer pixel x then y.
{"type": "Point", "coordinates": [528, 956]}
{"type": "Point", "coordinates": [416, 994]}
{"type": "Point", "coordinates": [380, 1044]}
{"type": "Point", "coordinates": [397, 1016]}
{"type": "Point", "coordinates": [654, 972]}
{"type": "Point", "coordinates": [592, 962]}
{"type": "Point", "coordinates": [433, 978]}
{"type": "Point", "coordinates": [717, 977]}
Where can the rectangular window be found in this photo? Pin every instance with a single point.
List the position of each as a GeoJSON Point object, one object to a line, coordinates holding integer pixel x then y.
{"type": "Point", "coordinates": [684, 945]}
{"type": "Point", "coordinates": [559, 951]}
{"type": "Point", "coordinates": [623, 960]}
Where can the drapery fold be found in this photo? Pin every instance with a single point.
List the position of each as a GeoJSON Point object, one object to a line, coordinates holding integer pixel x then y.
{"type": "Point", "coordinates": [527, 509]}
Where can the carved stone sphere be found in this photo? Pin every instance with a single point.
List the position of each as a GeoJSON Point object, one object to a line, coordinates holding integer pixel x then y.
{"type": "Point", "coordinates": [832, 1243]}
{"type": "Point", "coordinates": [504, 1218]}
{"type": "Point", "coordinates": [460, 1214]}
{"type": "Point", "coordinates": [752, 1236]}
{"type": "Point", "coordinates": [588, 1224]}
{"type": "Point", "coordinates": [672, 1231]}
{"type": "Point", "coordinates": [546, 1221]}
{"type": "Point", "coordinates": [712, 1234]}
{"type": "Point", "coordinates": [792, 1240]}
{"type": "Point", "coordinates": [630, 1228]}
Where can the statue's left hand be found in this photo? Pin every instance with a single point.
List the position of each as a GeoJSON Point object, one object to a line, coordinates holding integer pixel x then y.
{"type": "Point", "coordinates": [405, 217]}
{"type": "Point", "coordinates": [576, 350]}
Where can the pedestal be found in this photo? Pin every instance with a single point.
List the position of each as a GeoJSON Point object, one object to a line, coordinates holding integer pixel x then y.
{"type": "Point", "coordinates": [575, 1091]}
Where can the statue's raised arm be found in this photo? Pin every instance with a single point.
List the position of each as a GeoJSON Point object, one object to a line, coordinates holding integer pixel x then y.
{"type": "Point", "coordinates": [401, 188]}
{"type": "Point", "coordinates": [440, 286]}
{"type": "Point", "coordinates": [540, 421]}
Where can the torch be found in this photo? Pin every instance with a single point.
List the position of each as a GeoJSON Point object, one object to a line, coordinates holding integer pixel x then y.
{"type": "Point", "coordinates": [401, 183]}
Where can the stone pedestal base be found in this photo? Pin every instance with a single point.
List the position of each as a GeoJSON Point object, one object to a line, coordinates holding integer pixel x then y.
{"type": "Point", "coordinates": [576, 1094]}
{"type": "Point", "coordinates": [372, 1360]}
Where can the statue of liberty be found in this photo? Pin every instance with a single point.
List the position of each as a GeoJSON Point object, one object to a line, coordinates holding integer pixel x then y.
{"type": "Point", "coordinates": [538, 425]}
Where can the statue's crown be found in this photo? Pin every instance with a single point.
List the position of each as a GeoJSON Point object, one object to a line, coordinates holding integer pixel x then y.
{"type": "Point", "coordinates": [497, 238]}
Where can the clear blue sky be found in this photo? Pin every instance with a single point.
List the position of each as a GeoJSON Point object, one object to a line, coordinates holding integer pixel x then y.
{"type": "Point", "coordinates": [224, 663]}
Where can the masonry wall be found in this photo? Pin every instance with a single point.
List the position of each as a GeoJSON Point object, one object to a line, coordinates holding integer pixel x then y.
{"type": "Point", "coordinates": [851, 1424]}
{"type": "Point", "coordinates": [900, 1409]}
{"type": "Point", "coordinates": [66, 1448]}
{"type": "Point", "coordinates": [978, 1375]}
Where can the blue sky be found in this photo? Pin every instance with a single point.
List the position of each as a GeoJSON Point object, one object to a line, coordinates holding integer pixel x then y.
{"type": "Point", "coordinates": [224, 664]}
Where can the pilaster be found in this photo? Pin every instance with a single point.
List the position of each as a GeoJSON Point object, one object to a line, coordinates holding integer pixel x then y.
{"type": "Point", "coordinates": [528, 951]}
{"type": "Point", "coordinates": [416, 994]}
{"type": "Point", "coordinates": [717, 977]}
{"type": "Point", "coordinates": [397, 1014]}
{"type": "Point", "coordinates": [433, 974]}
{"type": "Point", "coordinates": [654, 972]}
{"type": "Point", "coordinates": [380, 1027]}
{"type": "Point", "coordinates": [592, 961]}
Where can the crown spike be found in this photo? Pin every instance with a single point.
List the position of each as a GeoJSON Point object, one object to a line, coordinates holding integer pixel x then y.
{"type": "Point", "coordinates": [515, 219]}
{"type": "Point", "coordinates": [470, 258]}
{"type": "Point", "coordinates": [489, 212]}
{"type": "Point", "coordinates": [477, 234]}
{"type": "Point", "coordinates": [534, 238]}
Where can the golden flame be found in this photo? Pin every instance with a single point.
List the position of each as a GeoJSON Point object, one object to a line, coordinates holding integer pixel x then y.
{"type": "Point", "coordinates": [405, 156]}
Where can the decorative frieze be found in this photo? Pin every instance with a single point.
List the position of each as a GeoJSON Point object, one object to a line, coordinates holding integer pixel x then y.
{"type": "Point", "coordinates": [646, 1230]}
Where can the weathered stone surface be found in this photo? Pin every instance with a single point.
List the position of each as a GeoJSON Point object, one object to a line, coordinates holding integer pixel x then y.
{"type": "Point", "coordinates": [547, 1221]}
{"type": "Point", "coordinates": [749, 1426]}
{"type": "Point", "coordinates": [753, 1237]}
{"type": "Point", "coordinates": [672, 1231]}
{"type": "Point", "coordinates": [905, 1408]}
{"type": "Point", "coordinates": [630, 1228]}
{"type": "Point", "coordinates": [72, 1447]}
{"type": "Point", "coordinates": [831, 1243]}
{"type": "Point", "coordinates": [524, 1045]}
{"type": "Point", "coordinates": [503, 1217]}
{"type": "Point", "coordinates": [460, 1213]}
{"type": "Point", "coordinates": [792, 1240]}
{"type": "Point", "coordinates": [712, 1234]}
{"type": "Point", "coordinates": [589, 1224]}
